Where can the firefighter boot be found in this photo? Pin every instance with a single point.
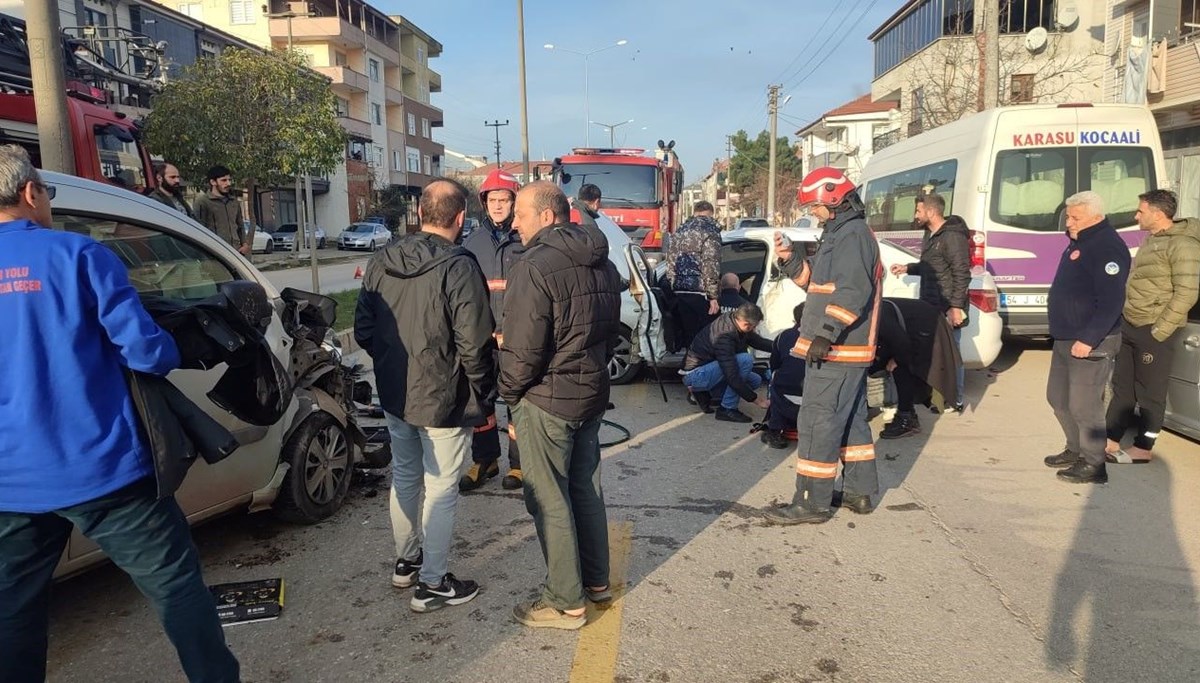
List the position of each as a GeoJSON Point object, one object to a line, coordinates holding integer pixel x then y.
{"type": "Point", "coordinates": [477, 476]}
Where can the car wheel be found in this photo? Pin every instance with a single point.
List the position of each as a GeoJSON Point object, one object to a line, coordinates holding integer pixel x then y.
{"type": "Point", "coordinates": [270, 246]}
{"type": "Point", "coordinates": [321, 460]}
{"type": "Point", "coordinates": [341, 248]}
{"type": "Point", "coordinates": [321, 243]}
{"type": "Point", "coordinates": [374, 245]}
{"type": "Point", "coordinates": [622, 369]}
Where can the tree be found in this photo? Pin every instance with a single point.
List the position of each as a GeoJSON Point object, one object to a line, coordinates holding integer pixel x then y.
{"type": "Point", "coordinates": [265, 116]}
{"type": "Point", "coordinates": [391, 202]}
{"type": "Point", "coordinates": [748, 172]}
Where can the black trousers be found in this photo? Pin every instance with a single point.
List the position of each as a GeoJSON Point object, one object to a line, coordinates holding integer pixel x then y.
{"type": "Point", "coordinates": [1140, 380]}
{"type": "Point", "coordinates": [693, 314]}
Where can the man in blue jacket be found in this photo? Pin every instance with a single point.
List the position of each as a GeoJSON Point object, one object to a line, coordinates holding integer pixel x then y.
{"type": "Point", "coordinates": [1085, 304]}
{"type": "Point", "coordinates": [71, 452]}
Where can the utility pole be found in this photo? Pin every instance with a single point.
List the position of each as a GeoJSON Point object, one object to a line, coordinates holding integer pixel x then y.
{"type": "Point", "coordinates": [728, 175]}
{"type": "Point", "coordinates": [49, 85]}
{"type": "Point", "coordinates": [300, 208]}
{"type": "Point", "coordinates": [773, 108]}
{"type": "Point", "coordinates": [990, 82]}
{"type": "Point", "coordinates": [524, 100]}
{"type": "Point", "coordinates": [496, 125]}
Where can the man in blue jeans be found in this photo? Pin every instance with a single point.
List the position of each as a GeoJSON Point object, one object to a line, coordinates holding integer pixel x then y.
{"type": "Point", "coordinates": [717, 362]}
{"type": "Point", "coordinates": [423, 317]}
{"type": "Point", "coordinates": [71, 452]}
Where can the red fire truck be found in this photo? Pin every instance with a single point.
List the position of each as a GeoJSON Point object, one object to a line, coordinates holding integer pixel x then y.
{"type": "Point", "coordinates": [640, 193]}
{"type": "Point", "coordinates": [106, 143]}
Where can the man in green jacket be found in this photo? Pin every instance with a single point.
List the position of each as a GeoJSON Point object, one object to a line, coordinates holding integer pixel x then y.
{"type": "Point", "coordinates": [220, 212]}
{"type": "Point", "coordinates": [1162, 288]}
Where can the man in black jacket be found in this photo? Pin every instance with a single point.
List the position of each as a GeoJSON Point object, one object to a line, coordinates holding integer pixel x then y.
{"type": "Point", "coordinates": [787, 386]}
{"type": "Point", "coordinates": [423, 317]}
{"type": "Point", "coordinates": [717, 361]}
{"type": "Point", "coordinates": [1085, 304]}
{"type": "Point", "coordinates": [169, 188]}
{"type": "Point", "coordinates": [944, 268]}
{"type": "Point", "coordinates": [563, 314]}
{"type": "Point", "coordinates": [588, 205]}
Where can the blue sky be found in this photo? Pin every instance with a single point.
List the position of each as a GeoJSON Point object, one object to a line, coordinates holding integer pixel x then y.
{"type": "Point", "coordinates": [691, 71]}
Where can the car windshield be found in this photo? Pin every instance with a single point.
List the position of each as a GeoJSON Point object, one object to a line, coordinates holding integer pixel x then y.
{"type": "Point", "coordinates": [286, 227]}
{"type": "Point", "coordinates": [622, 186]}
{"type": "Point", "coordinates": [362, 228]}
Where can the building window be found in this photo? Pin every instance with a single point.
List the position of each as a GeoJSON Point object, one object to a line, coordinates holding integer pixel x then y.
{"type": "Point", "coordinates": [413, 156]}
{"type": "Point", "coordinates": [373, 70]}
{"type": "Point", "coordinates": [412, 124]}
{"type": "Point", "coordinates": [425, 129]}
{"type": "Point", "coordinates": [193, 9]}
{"type": "Point", "coordinates": [1021, 89]}
{"type": "Point", "coordinates": [1022, 16]}
{"type": "Point", "coordinates": [208, 48]}
{"type": "Point", "coordinates": [426, 163]}
{"type": "Point", "coordinates": [910, 35]}
{"type": "Point", "coordinates": [1189, 13]}
{"type": "Point", "coordinates": [376, 156]}
{"type": "Point", "coordinates": [376, 114]}
{"type": "Point", "coordinates": [339, 59]}
{"type": "Point", "coordinates": [958, 17]}
{"type": "Point", "coordinates": [397, 161]}
{"type": "Point", "coordinates": [343, 106]}
{"type": "Point", "coordinates": [241, 12]}
{"type": "Point", "coordinates": [918, 105]}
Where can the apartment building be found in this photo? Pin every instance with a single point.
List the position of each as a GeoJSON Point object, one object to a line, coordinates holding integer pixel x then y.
{"type": "Point", "coordinates": [1154, 48]}
{"type": "Point", "coordinates": [927, 57]}
{"type": "Point", "coordinates": [845, 137]}
{"type": "Point", "coordinates": [379, 71]}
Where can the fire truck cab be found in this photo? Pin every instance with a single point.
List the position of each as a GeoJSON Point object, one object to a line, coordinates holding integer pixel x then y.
{"type": "Point", "coordinates": [639, 193]}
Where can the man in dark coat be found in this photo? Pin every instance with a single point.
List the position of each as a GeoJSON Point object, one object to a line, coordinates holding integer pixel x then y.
{"type": "Point", "coordinates": [562, 314]}
{"type": "Point", "coordinates": [423, 317]}
{"type": "Point", "coordinates": [916, 345]}
{"type": "Point", "coordinates": [717, 363]}
{"type": "Point", "coordinates": [169, 188]}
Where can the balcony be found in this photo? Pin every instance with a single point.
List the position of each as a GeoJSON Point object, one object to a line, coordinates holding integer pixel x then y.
{"type": "Point", "coordinates": [832, 159]}
{"type": "Point", "coordinates": [885, 140]}
{"type": "Point", "coordinates": [345, 80]}
{"type": "Point", "coordinates": [356, 128]}
{"type": "Point", "coordinates": [319, 29]}
{"type": "Point", "coordinates": [435, 81]}
{"type": "Point", "coordinates": [393, 95]}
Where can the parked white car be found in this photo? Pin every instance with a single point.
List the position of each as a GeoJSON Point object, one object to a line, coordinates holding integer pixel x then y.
{"type": "Point", "coordinates": [262, 242]}
{"type": "Point", "coordinates": [750, 253]}
{"type": "Point", "coordinates": [302, 464]}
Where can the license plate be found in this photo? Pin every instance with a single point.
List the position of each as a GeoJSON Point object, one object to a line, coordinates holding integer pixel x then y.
{"type": "Point", "coordinates": [1023, 299]}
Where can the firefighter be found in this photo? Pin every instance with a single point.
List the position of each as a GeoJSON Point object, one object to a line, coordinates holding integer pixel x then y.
{"type": "Point", "coordinates": [837, 341]}
{"type": "Point", "coordinates": [497, 247]}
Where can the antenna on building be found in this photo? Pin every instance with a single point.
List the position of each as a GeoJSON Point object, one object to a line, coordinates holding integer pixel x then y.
{"type": "Point", "coordinates": [1036, 39]}
{"type": "Point", "coordinates": [1067, 14]}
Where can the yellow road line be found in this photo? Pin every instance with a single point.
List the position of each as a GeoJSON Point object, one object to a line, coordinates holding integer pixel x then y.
{"type": "Point", "coordinates": [599, 642]}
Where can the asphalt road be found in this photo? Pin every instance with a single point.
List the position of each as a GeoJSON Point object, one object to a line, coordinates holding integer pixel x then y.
{"type": "Point", "coordinates": [336, 277]}
{"type": "Point", "coordinates": [978, 566]}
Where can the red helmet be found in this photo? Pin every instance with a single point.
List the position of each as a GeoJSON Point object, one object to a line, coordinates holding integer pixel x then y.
{"type": "Point", "coordinates": [498, 180]}
{"type": "Point", "coordinates": [825, 185]}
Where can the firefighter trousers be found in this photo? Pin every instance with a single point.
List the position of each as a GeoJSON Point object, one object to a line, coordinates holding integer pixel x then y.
{"type": "Point", "coordinates": [833, 427]}
{"type": "Point", "coordinates": [485, 445]}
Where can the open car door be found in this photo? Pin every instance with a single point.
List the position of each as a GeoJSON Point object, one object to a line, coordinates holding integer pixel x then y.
{"type": "Point", "coordinates": [648, 342]}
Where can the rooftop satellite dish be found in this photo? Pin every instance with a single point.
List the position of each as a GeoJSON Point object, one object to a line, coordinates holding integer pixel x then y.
{"type": "Point", "coordinates": [1036, 39]}
{"type": "Point", "coordinates": [1067, 15]}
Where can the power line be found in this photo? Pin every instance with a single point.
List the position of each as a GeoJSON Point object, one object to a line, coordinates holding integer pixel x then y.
{"type": "Point", "coordinates": [834, 36]}
{"type": "Point", "coordinates": [807, 46]}
{"type": "Point", "coordinates": [829, 54]}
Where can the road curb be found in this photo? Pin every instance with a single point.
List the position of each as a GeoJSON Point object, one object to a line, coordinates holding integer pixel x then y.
{"type": "Point", "coordinates": [347, 342]}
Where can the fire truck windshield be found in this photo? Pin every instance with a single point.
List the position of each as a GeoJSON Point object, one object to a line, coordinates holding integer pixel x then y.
{"type": "Point", "coordinates": [120, 157]}
{"type": "Point", "coordinates": [622, 186]}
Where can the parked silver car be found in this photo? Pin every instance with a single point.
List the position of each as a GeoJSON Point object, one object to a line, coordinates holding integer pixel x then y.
{"type": "Point", "coordinates": [369, 236]}
{"type": "Point", "coordinates": [1183, 387]}
{"type": "Point", "coordinates": [301, 465]}
{"type": "Point", "coordinates": [285, 236]}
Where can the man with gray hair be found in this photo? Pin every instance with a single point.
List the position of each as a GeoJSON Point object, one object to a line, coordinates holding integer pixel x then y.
{"type": "Point", "coordinates": [562, 312]}
{"type": "Point", "coordinates": [77, 327]}
{"type": "Point", "coordinates": [1085, 304]}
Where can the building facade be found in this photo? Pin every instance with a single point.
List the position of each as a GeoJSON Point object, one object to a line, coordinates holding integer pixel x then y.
{"type": "Point", "coordinates": [847, 136]}
{"type": "Point", "coordinates": [927, 57]}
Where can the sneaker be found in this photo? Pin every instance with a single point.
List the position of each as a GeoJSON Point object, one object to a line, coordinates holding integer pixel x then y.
{"type": "Point", "coordinates": [798, 514]}
{"type": "Point", "coordinates": [451, 592]}
{"type": "Point", "coordinates": [959, 408]}
{"type": "Point", "coordinates": [513, 480]}
{"type": "Point", "coordinates": [905, 424]}
{"type": "Point", "coordinates": [774, 439]}
{"type": "Point", "coordinates": [477, 476]}
{"type": "Point", "coordinates": [1083, 473]}
{"type": "Point", "coordinates": [599, 597]}
{"type": "Point", "coordinates": [405, 573]}
{"type": "Point", "coordinates": [1061, 460]}
{"type": "Point", "coordinates": [540, 615]}
{"type": "Point", "coordinates": [703, 401]}
{"type": "Point", "coordinates": [735, 415]}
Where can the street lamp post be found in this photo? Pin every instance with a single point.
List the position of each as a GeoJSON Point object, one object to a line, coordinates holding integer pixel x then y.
{"type": "Point", "coordinates": [611, 130]}
{"type": "Point", "coordinates": [587, 111]}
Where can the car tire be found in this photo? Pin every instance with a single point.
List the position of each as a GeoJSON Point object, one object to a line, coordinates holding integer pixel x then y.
{"type": "Point", "coordinates": [341, 248]}
{"type": "Point", "coordinates": [621, 370]}
{"type": "Point", "coordinates": [374, 246]}
{"type": "Point", "coordinates": [321, 243]}
{"type": "Point", "coordinates": [321, 457]}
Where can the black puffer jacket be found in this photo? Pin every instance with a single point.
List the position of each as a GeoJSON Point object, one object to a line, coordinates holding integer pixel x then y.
{"type": "Point", "coordinates": [945, 266]}
{"type": "Point", "coordinates": [563, 311]}
{"type": "Point", "coordinates": [722, 341]}
{"type": "Point", "coordinates": [423, 316]}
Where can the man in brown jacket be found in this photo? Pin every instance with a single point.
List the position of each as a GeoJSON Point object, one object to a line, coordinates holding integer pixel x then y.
{"type": "Point", "coordinates": [220, 212]}
{"type": "Point", "coordinates": [1162, 288]}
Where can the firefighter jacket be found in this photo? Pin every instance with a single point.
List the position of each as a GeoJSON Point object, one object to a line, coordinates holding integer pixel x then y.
{"type": "Point", "coordinates": [497, 249]}
{"type": "Point", "coordinates": [843, 284]}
